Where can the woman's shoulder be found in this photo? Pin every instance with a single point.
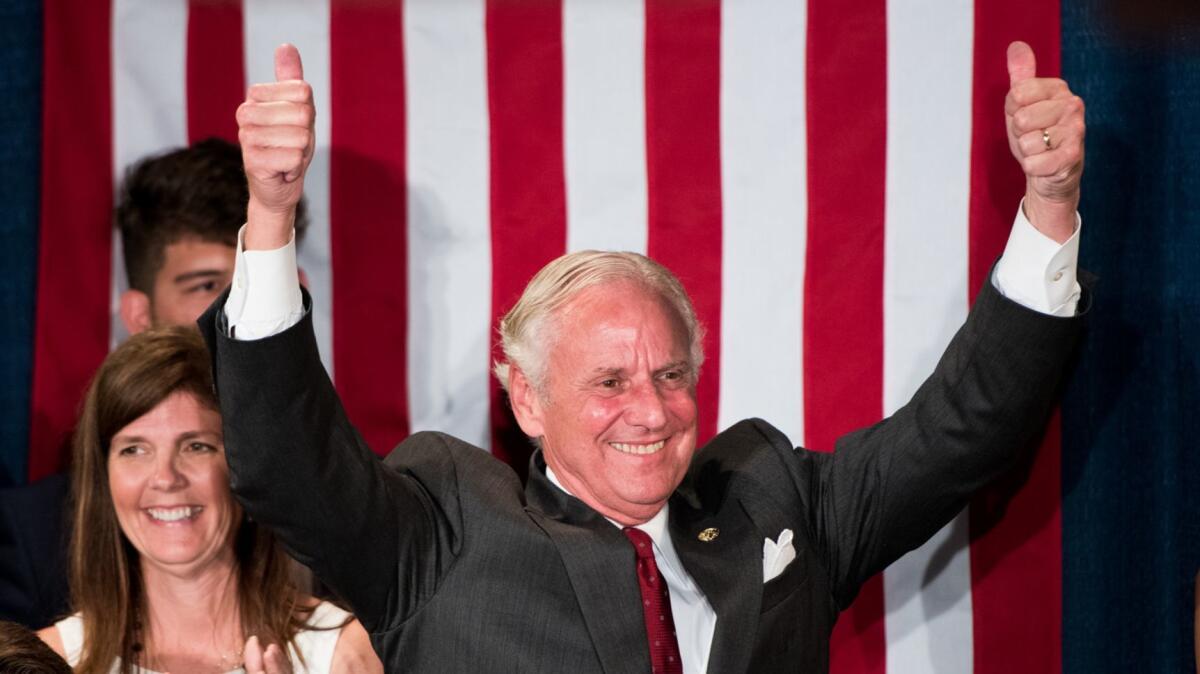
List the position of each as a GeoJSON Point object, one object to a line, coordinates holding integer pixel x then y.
{"type": "Point", "coordinates": [354, 652]}
{"type": "Point", "coordinates": [325, 615]}
{"type": "Point", "coordinates": [316, 642]}
{"type": "Point", "coordinates": [334, 642]}
{"type": "Point", "coordinates": [65, 637]}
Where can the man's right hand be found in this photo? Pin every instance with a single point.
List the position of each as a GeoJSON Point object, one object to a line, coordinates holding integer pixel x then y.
{"type": "Point", "coordinates": [275, 128]}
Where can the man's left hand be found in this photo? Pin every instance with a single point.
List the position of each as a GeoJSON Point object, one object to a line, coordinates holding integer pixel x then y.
{"type": "Point", "coordinates": [1045, 134]}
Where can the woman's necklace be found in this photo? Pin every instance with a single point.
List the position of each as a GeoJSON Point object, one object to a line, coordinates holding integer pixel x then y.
{"type": "Point", "coordinates": [230, 661]}
{"type": "Point", "coordinates": [227, 661]}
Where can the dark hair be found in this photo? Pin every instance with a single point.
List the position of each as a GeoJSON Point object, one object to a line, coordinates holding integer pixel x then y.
{"type": "Point", "coordinates": [198, 191]}
{"type": "Point", "coordinates": [22, 652]}
{"type": "Point", "coordinates": [105, 575]}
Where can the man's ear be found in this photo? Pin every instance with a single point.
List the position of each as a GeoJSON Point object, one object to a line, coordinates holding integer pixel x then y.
{"type": "Point", "coordinates": [135, 311]}
{"type": "Point", "coordinates": [526, 403]}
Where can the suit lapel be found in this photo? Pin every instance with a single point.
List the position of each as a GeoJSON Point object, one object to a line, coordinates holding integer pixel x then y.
{"type": "Point", "coordinates": [600, 564]}
{"type": "Point", "coordinates": [727, 568]}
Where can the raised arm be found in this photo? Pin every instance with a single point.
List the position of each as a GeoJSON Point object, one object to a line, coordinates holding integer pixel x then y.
{"type": "Point", "coordinates": [297, 465]}
{"type": "Point", "coordinates": [888, 488]}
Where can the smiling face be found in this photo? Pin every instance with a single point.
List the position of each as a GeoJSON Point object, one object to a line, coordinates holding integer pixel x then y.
{"type": "Point", "coordinates": [193, 273]}
{"type": "Point", "coordinates": [170, 487]}
{"type": "Point", "coordinates": [617, 413]}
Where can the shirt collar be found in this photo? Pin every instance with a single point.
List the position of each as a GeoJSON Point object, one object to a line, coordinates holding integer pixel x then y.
{"type": "Point", "coordinates": [655, 528]}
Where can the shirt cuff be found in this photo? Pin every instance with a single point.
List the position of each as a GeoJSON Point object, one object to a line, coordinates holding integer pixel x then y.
{"type": "Point", "coordinates": [264, 298]}
{"type": "Point", "coordinates": [1038, 273]}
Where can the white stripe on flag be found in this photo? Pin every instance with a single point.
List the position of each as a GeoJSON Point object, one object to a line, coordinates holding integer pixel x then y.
{"type": "Point", "coordinates": [604, 101]}
{"type": "Point", "coordinates": [449, 236]}
{"type": "Point", "coordinates": [304, 23]}
{"type": "Point", "coordinates": [149, 80]}
{"type": "Point", "coordinates": [930, 52]}
{"type": "Point", "coordinates": [765, 208]}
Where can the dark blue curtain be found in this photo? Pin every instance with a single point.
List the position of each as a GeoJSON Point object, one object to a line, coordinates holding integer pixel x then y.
{"type": "Point", "coordinates": [20, 133]}
{"type": "Point", "coordinates": [1131, 463]}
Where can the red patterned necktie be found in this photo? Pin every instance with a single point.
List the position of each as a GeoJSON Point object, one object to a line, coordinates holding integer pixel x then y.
{"type": "Point", "coordinates": [656, 606]}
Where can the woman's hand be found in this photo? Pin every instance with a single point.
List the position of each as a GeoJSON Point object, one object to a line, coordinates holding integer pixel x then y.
{"type": "Point", "coordinates": [271, 660]}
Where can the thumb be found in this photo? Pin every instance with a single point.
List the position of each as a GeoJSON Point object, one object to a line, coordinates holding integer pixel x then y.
{"type": "Point", "coordinates": [287, 63]}
{"type": "Point", "coordinates": [1021, 63]}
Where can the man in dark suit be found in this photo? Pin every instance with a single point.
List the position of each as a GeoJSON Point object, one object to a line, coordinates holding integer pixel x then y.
{"type": "Point", "coordinates": [628, 550]}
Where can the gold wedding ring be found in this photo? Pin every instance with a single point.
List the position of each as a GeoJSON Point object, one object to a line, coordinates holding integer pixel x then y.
{"type": "Point", "coordinates": [1046, 138]}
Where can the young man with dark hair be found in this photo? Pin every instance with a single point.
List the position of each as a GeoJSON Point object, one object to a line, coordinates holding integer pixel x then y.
{"type": "Point", "coordinates": [179, 214]}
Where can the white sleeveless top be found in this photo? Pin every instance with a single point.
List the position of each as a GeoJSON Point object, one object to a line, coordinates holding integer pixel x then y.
{"type": "Point", "coordinates": [316, 645]}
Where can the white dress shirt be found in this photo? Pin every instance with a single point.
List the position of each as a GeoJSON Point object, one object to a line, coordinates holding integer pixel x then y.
{"type": "Point", "coordinates": [695, 619]}
{"type": "Point", "coordinates": [1034, 271]}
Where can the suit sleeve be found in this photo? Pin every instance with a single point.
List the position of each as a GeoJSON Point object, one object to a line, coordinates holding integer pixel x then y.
{"type": "Point", "coordinates": [887, 488]}
{"type": "Point", "coordinates": [380, 537]}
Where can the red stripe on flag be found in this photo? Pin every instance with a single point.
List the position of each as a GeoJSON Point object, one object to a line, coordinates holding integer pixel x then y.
{"type": "Point", "coordinates": [1016, 566]}
{"type": "Point", "coordinates": [683, 166]}
{"type": "Point", "coordinates": [1016, 560]}
{"type": "Point", "coordinates": [216, 72]}
{"type": "Point", "coordinates": [528, 192]}
{"type": "Point", "coordinates": [368, 210]}
{"type": "Point", "coordinates": [843, 315]}
{"type": "Point", "coordinates": [71, 323]}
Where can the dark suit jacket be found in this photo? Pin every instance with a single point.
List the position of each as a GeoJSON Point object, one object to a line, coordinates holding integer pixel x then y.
{"type": "Point", "coordinates": [453, 566]}
{"type": "Point", "coordinates": [33, 552]}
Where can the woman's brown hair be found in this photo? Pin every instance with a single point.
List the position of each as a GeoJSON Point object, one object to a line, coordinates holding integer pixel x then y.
{"type": "Point", "coordinates": [105, 575]}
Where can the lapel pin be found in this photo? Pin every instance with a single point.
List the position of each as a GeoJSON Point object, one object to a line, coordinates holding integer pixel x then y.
{"type": "Point", "coordinates": [709, 535]}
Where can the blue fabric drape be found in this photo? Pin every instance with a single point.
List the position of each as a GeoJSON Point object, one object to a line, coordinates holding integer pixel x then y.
{"type": "Point", "coordinates": [20, 134]}
{"type": "Point", "coordinates": [1131, 440]}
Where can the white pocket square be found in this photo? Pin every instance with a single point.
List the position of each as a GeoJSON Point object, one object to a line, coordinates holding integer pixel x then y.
{"type": "Point", "coordinates": [777, 554]}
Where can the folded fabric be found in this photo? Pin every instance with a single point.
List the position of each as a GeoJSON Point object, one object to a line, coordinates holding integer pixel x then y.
{"type": "Point", "coordinates": [777, 554]}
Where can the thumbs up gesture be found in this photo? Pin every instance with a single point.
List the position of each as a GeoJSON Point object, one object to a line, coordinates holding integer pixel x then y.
{"type": "Point", "coordinates": [275, 128]}
{"type": "Point", "coordinates": [1045, 134]}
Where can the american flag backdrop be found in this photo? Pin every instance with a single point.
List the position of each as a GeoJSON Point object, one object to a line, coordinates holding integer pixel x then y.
{"type": "Point", "coordinates": [830, 180]}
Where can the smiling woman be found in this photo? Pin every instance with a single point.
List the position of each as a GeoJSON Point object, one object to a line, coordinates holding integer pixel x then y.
{"type": "Point", "coordinates": [170, 486]}
{"type": "Point", "coordinates": [167, 574]}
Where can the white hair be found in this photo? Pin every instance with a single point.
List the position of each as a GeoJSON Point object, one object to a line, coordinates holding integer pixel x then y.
{"type": "Point", "coordinates": [525, 331]}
